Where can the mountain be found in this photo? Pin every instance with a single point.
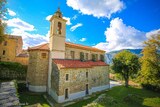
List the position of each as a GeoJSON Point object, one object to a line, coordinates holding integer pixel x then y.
{"type": "Point", "coordinates": [110, 55]}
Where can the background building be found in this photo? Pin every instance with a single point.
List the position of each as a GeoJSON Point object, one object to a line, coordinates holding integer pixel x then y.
{"type": "Point", "coordinates": [11, 50]}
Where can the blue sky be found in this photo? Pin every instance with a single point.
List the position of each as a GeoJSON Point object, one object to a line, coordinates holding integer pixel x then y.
{"type": "Point", "coordinates": [106, 24]}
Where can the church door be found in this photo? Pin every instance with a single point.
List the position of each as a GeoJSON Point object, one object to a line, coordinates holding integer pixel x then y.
{"type": "Point", "coordinates": [87, 91]}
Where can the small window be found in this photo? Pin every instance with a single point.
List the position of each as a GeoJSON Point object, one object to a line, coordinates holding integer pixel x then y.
{"type": "Point", "coordinates": [43, 55]}
{"type": "Point", "coordinates": [72, 54]}
{"type": "Point", "coordinates": [66, 93]}
{"type": "Point", "coordinates": [93, 57]}
{"type": "Point", "coordinates": [102, 57]}
{"type": "Point", "coordinates": [86, 56]}
{"type": "Point", "coordinates": [67, 77]}
{"type": "Point", "coordinates": [5, 43]}
{"type": "Point", "coordinates": [81, 56]}
{"type": "Point", "coordinates": [86, 74]}
{"type": "Point", "coordinates": [96, 57]}
{"type": "Point", "coordinates": [4, 52]}
{"type": "Point", "coordinates": [59, 27]}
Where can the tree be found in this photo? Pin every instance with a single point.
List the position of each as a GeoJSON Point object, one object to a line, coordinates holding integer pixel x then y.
{"type": "Point", "coordinates": [125, 63]}
{"type": "Point", "coordinates": [2, 25]}
{"type": "Point", "coordinates": [150, 63]}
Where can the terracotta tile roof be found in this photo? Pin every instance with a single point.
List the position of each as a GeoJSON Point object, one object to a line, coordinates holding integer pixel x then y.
{"type": "Point", "coordinates": [67, 44]}
{"type": "Point", "coordinates": [40, 47]}
{"type": "Point", "coordinates": [72, 45]}
{"type": "Point", "coordinates": [67, 63]}
{"type": "Point", "coordinates": [23, 55]}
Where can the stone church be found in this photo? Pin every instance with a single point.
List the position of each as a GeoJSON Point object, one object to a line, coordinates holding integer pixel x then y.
{"type": "Point", "coordinates": [66, 71]}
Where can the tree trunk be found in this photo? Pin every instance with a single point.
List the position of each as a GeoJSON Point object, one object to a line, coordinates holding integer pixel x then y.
{"type": "Point", "coordinates": [126, 82]}
{"type": "Point", "coordinates": [126, 78]}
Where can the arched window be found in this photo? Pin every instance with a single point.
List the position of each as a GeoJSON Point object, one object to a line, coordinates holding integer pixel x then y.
{"type": "Point", "coordinates": [59, 27]}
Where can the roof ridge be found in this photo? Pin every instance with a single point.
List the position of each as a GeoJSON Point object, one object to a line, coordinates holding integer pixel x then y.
{"type": "Point", "coordinates": [84, 46]}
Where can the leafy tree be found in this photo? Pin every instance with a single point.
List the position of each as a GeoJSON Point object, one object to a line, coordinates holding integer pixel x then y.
{"type": "Point", "coordinates": [125, 63]}
{"type": "Point", "coordinates": [150, 63]}
{"type": "Point", "coordinates": [2, 25]}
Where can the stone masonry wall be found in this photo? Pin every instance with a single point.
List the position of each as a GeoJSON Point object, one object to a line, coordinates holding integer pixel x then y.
{"type": "Point", "coordinates": [55, 78]}
{"type": "Point", "coordinates": [77, 53]}
{"type": "Point", "coordinates": [97, 76]}
{"type": "Point", "coordinates": [37, 68]}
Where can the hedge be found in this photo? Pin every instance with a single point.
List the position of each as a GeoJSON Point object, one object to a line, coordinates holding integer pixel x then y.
{"type": "Point", "coordinates": [12, 70]}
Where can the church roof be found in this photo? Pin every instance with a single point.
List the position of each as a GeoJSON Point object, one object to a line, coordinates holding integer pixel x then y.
{"type": "Point", "coordinates": [67, 44]}
{"type": "Point", "coordinates": [67, 63]}
{"type": "Point", "coordinates": [72, 45]}
{"type": "Point", "coordinates": [44, 47]}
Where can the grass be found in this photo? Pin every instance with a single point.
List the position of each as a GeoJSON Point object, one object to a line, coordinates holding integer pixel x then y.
{"type": "Point", "coordinates": [30, 98]}
{"type": "Point", "coordinates": [119, 96]}
{"type": "Point", "coordinates": [141, 98]}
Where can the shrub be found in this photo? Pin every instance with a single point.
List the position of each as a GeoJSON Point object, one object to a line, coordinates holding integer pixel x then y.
{"type": "Point", "coordinates": [132, 98]}
{"type": "Point", "coordinates": [151, 87]}
{"type": "Point", "coordinates": [12, 70]}
{"type": "Point", "coordinates": [105, 100]}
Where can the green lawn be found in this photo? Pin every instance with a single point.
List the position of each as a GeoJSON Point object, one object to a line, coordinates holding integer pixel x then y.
{"type": "Point", "coordinates": [121, 96]}
{"type": "Point", "coordinates": [30, 98]}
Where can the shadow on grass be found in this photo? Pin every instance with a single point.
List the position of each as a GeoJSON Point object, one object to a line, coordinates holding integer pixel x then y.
{"type": "Point", "coordinates": [29, 98]}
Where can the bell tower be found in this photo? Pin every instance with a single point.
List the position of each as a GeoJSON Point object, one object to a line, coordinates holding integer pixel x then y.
{"type": "Point", "coordinates": [57, 35]}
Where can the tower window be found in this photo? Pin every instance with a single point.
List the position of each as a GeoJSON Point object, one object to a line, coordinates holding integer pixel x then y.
{"type": "Point", "coordinates": [72, 54]}
{"type": "Point", "coordinates": [4, 52]}
{"type": "Point", "coordinates": [66, 93]}
{"type": "Point", "coordinates": [59, 27]}
{"type": "Point", "coordinates": [67, 77]}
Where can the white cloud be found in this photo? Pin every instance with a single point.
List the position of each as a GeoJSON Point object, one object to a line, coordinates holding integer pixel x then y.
{"type": "Point", "coordinates": [30, 39]}
{"type": "Point", "coordinates": [18, 23]}
{"type": "Point", "coordinates": [11, 13]}
{"type": "Point", "coordinates": [76, 26]}
{"type": "Point", "coordinates": [24, 29]}
{"type": "Point", "coordinates": [48, 17]}
{"type": "Point", "coordinates": [97, 8]}
{"type": "Point", "coordinates": [74, 17]}
{"type": "Point", "coordinates": [68, 20]}
{"type": "Point", "coordinates": [153, 33]}
{"type": "Point", "coordinates": [69, 40]}
{"type": "Point", "coordinates": [83, 39]}
{"type": "Point", "coordinates": [120, 36]}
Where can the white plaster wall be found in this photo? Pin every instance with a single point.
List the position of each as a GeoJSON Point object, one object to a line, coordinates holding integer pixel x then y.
{"type": "Point", "coordinates": [37, 88]}
{"type": "Point", "coordinates": [49, 73]}
{"type": "Point", "coordinates": [71, 97]}
{"type": "Point", "coordinates": [58, 54]}
{"type": "Point", "coordinates": [54, 95]}
{"type": "Point", "coordinates": [100, 88]}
